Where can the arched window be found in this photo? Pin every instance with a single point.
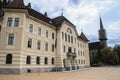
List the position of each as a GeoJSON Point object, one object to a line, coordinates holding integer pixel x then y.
{"type": "Point", "coordinates": [28, 60]}
{"type": "Point", "coordinates": [46, 60]}
{"type": "Point", "coordinates": [52, 61]}
{"type": "Point", "coordinates": [64, 63]}
{"type": "Point", "coordinates": [69, 30]}
{"type": "Point", "coordinates": [38, 60]}
{"type": "Point", "coordinates": [9, 59]}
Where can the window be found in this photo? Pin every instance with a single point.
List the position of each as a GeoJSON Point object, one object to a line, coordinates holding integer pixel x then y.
{"type": "Point", "coordinates": [39, 31]}
{"type": "Point", "coordinates": [29, 42]}
{"type": "Point", "coordinates": [31, 28]}
{"type": "Point", "coordinates": [69, 49]}
{"type": "Point", "coordinates": [46, 33]}
{"type": "Point", "coordinates": [84, 61]}
{"type": "Point", "coordinates": [38, 44]}
{"type": "Point", "coordinates": [69, 30]}
{"type": "Point", "coordinates": [75, 40]}
{"type": "Point", "coordinates": [62, 35]}
{"type": "Point", "coordinates": [52, 60]}
{"type": "Point", "coordinates": [64, 63]}
{"type": "Point", "coordinates": [46, 60]}
{"type": "Point", "coordinates": [11, 39]}
{"type": "Point", "coordinates": [78, 44]}
{"type": "Point", "coordinates": [0, 27]}
{"type": "Point", "coordinates": [71, 39]}
{"type": "Point", "coordinates": [64, 48]}
{"type": "Point", "coordinates": [46, 46]}
{"type": "Point", "coordinates": [9, 22]}
{"type": "Point", "coordinates": [38, 60]}
{"type": "Point", "coordinates": [53, 36]}
{"type": "Point", "coordinates": [65, 37]}
{"type": "Point", "coordinates": [81, 45]}
{"type": "Point", "coordinates": [9, 59]}
{"type": "Point", "coordinates": [16, 23]}
{"type": "Point", "coordinates": [81, 53]}
{"type": "Point", "coordinates": [74, 50]}
{"type": "Point", "coordinates": [68, 38]}
{"type": "Point", "coordinates": [78, 52]}
{"type": "Point", "coordinates": [28, 60]}
{"type": "Point", "coordinates": [76, 61]}
{"type": "Point", "coordinates": [52, 47]}
{"type": "Point", "coordinates": [79, 61]}
{"type": "Point", "coordinates": [92, 53]}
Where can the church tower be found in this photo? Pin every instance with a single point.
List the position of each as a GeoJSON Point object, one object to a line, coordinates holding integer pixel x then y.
{"type": "Point", "coordinates": [102, 35]}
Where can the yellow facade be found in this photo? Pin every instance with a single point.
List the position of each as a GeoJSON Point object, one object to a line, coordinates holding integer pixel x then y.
{"type": "Point", "coordinates": [57, 60]}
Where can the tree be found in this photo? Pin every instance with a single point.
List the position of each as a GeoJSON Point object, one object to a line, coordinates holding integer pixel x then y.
{"type": "Point", "coordinates": [109, 56]}
{"type": "Point", "coordinates": [106, 55]}
{"type": "Point", "coordinates": [115, 58]}
{"type": "Point", "coordinates": [0, 3]}
{"type": "Point", "coordinates": [117, 49]}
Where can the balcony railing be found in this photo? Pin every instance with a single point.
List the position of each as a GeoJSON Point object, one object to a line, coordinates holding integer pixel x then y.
{"type": "Point", "coordinates": [70, 54]}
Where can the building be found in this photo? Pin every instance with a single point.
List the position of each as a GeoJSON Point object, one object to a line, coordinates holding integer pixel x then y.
{"type": "Point", "coordinates": [33, 42]}
{"type": "Point", "coordinates": [94, 47]}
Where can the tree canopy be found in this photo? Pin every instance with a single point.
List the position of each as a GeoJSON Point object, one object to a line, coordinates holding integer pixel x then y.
{"type": "Point", "coordinates": [109, 56]}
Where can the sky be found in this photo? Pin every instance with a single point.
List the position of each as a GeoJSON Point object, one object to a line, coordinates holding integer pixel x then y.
{"type": "Point", "coordinates": [84, 14]}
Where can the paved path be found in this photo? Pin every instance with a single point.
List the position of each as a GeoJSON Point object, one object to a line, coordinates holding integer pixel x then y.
{"type": "Point", "coordinates": [101, 73]}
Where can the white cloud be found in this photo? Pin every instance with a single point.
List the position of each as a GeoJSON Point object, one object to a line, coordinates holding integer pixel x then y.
{"type": "Point", "coordinates": [113, 33]}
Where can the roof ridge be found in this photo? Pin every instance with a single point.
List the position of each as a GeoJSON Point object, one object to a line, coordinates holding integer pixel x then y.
{"type": "Point", "coordinates": [83, 37]}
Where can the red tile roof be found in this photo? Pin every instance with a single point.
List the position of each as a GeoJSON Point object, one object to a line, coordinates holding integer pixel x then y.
{"type": "Point", "coordinates": [16, 4]}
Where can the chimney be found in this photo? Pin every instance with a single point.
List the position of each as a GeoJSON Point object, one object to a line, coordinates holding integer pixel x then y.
{"type": "Point", "coordinates": [45, 14]}
{"type": "Point", "coordinates": [29, 5]}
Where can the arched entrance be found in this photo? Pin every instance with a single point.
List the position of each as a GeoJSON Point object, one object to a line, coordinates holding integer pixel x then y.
{"type": "Point", "coordinates": [64, 63]}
